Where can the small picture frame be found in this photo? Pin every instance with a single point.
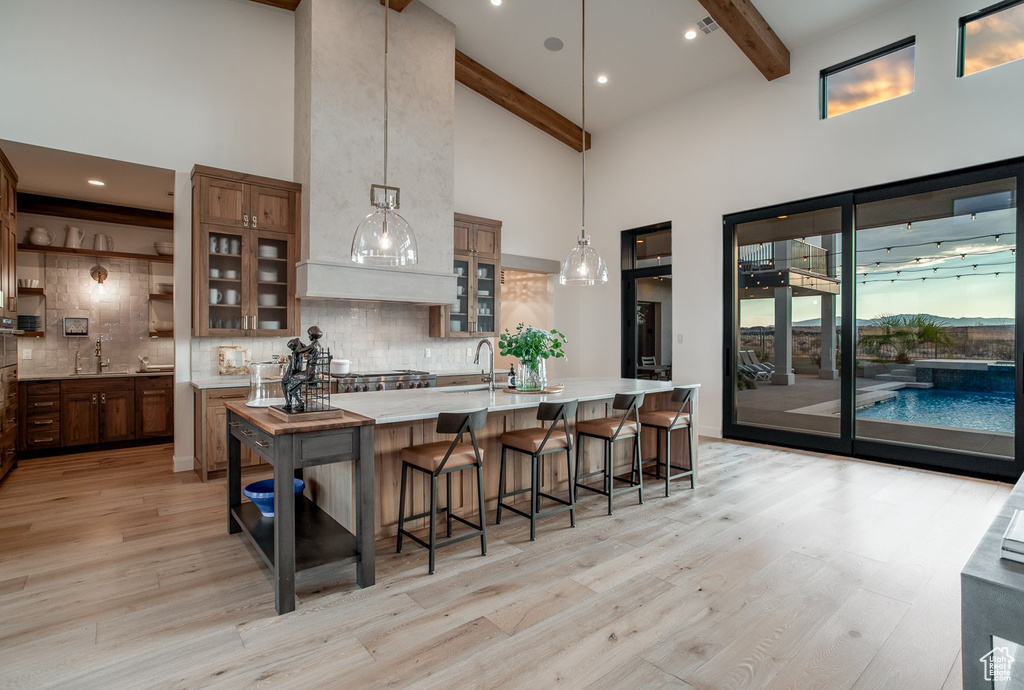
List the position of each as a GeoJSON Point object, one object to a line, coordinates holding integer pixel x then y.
{"type": "Point", "coordinates": [76, 326]}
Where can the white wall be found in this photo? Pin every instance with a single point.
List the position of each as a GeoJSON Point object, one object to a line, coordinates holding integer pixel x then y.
{"type": "Point", "coordinates": [511, 171]}
{"type": "Point", "coordinates": [167, 84]}
{"type": "Point", "coordinates": [747, 143]}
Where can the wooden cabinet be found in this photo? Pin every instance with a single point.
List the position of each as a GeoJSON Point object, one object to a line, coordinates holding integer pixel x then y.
{"type": "Point", "coordinates": [475, 308]}
{"type": "Point", "coordinates": [8, 238]}
{"type": "Point", "coordinates": [245, 246]}
{"type": "Point", "coordinates": [97, 411]}
{"type": "Point", "coordinates": [8, 418]}
{"type": "Point", "coordinates": [81, 412]}
{"type": "Point", "coordinates": [211, 431]}
{"type": "Point", "coordinates": [154, 406]}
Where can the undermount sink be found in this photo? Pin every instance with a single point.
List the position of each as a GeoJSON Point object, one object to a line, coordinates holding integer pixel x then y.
{"type": "Point", "coordinates": [463, 389]}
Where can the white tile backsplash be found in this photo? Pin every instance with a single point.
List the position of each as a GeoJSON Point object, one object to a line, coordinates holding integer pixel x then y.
{"type": "Point", "coordinates": [375, 336]}
{"type": "Point", "coordinates": [119, 317]}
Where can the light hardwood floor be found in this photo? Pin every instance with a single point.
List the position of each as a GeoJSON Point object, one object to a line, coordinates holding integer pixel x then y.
{"type": "Point", "coordinates": [783, 569]}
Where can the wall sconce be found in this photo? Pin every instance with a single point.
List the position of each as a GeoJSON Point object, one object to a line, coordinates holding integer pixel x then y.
{"type": "Point", "coordinates": [99, 274]}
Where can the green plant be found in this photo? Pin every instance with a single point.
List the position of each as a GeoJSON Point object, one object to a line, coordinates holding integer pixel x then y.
{"type": "Point", "coordinates": [531, 344]}
{"type": "Point", "coordinates": [900, 335]}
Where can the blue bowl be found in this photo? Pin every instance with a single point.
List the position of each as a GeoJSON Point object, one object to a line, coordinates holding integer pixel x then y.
{"type": "Point", "coordinates": [262, 494]}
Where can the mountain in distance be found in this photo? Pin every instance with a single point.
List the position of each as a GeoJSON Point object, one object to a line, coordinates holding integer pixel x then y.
{"type": "Point", "coordinates": [944, 320]}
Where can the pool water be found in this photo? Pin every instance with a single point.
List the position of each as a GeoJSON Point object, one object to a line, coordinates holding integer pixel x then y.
{"type": "Point", "coordinates": [987, 411]}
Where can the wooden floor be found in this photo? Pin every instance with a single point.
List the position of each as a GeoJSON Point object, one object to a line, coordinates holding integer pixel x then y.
{"type": "Point", "coordinates": [782, 570]}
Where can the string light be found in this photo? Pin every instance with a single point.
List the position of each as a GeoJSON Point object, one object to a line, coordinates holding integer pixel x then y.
{"type": "Point", "coordinates": [974, 216]}
{"type": "Point", "coordinates": [938, 245]}
{"type": "Point", "coordinates": [910, 226]}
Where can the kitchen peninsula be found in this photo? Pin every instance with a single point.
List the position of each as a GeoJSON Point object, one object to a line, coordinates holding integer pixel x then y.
{"type": "Point", "coordinates": [406, 418]}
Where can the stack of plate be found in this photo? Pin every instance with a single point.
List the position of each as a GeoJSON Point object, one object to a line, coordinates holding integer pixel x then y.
{"type": "Point", "coordinates": [28, 323]}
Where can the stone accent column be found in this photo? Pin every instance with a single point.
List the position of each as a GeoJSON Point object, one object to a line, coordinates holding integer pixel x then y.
{"type": "Point", "coordinates": [828, 370]}
{"type": "Point", "coordinates": [783, 337]}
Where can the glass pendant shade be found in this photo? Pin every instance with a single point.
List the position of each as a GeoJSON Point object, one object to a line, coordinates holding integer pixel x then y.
{"type": "Point", "coordinates": [583, 265]}
{"type": "Point", "coordinates": [384, 238]}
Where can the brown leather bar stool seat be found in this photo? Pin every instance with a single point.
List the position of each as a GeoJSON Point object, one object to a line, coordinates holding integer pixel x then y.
{"type": "Point", "coordinates": [667, 421]}
{"type": "Point", "coordinates": [610, 430]}
{"type": "Point", "coordinates": [442, 459]}
{"type": "Point", "coordinates": [537, 443]}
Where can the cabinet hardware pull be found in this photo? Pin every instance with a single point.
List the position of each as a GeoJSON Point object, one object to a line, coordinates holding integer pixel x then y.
{"type": "Point", "coordinates": [245, 220]}
{"type": "Point", "coordinates": [11, 450]}
{"type": "Point", "coordinates": [42, 422]}
{"type": "Point", "coordinates": [254, 220]}
{"type": "Point", "coordinates": [103, 398]}
{"type": "Point", "coordinates": [152, 392]}
{"type": "Point", "coordinates": [93, 398]}
{"type": "Point", "coordinates": [44, 404]}
{"type": "Point", "coordinates": [234, 425]}
{"type": "Point", "coordinates": [263, 444]}
{"type": "Point", "coordinates": [41, 440]}
{"type": "Point", "coordinates": [247, 432]}
{"type": "Point", "coordinates": [11, 395]}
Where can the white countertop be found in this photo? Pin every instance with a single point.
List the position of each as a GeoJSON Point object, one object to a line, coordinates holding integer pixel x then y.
{"type": "Point", "coordinates": [388, 407]}
{"type": "Point", "coordinates": [222, 382]}
{"type": "Point", "coordinates": [104, 375]}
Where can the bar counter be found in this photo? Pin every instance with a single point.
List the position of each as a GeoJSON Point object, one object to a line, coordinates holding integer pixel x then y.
{"type": "Point", "coordinates": [407, 418]}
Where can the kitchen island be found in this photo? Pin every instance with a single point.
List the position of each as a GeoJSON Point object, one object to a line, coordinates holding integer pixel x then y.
{"type": "Point", "coordinates": [408, 417]}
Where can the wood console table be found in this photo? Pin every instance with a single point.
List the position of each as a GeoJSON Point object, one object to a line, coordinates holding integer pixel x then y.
{"type": "Point", "coordinates": [301, 535]}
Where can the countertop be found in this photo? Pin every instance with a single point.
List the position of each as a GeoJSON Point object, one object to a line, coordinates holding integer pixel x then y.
{"type": "Point", "coordinates": [388, 407]}
{"type": "Point", "coordinates": [261, 418]}
{"type": "Point", "coordinates": [86, 377]}
{"type": "Point", "coordinates": [222, 382]}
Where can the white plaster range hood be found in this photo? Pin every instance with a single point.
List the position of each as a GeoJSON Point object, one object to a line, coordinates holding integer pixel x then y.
{"type": "Point", "coordinates": [339, 92]}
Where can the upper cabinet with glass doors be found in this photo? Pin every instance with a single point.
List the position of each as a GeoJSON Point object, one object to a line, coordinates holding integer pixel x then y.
{"type": "Point", "coordinates": [245, 246]}
{"type": "Point", "coordinates": [474, 309]}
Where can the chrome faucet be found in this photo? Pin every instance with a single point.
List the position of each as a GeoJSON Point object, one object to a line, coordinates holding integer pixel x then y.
{"type": "Point", "coordinates": [489, 378]}
{"type": "Point", "coordinates": [78, 361]}
{"type": "Point", "coordinates": [99, 357]}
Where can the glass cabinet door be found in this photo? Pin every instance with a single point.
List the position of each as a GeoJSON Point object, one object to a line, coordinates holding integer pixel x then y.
{"type": "Point", "coordinates": [459, 316]}
{"type": "Point", "coordinates": [269, 310]}
{"type": "Point", "coordinates": [225, 294]}
{"type": "Point", "coordinates": [485, 317]}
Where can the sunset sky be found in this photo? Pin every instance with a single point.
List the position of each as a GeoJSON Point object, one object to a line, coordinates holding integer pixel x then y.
{"type": "Point", "coordinates": [994, 40]}
{"type": "Point", "coordinates": [872, 82]}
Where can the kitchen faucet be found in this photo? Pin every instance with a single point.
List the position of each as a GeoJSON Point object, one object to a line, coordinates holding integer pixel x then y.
{"type": "Point", "coordinates": [489, 379]}
{"type": "Point", "coordinates": [99, 357]}
{"type": "Point", "coordinates": [78, 361]}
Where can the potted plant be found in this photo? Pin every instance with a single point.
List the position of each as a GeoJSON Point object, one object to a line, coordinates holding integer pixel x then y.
{"type": "Point", "coordinates": [532, 346]}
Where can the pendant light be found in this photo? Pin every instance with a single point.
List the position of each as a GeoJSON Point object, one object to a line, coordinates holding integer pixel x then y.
{"type": "Point", "coordinates": [583, 265]}
{"type": "Point", "coordinates": [384, 238]}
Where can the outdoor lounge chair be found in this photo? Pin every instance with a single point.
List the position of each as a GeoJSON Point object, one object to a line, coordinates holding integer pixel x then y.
{"type": "Point", "coordinates": [750, 359]}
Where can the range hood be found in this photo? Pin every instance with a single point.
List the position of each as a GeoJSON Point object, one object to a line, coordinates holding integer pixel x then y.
{"type": "Point", "coordinates": [339, 103]}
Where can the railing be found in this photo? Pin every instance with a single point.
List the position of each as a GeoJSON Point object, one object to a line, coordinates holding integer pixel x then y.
{"type": "Point", "coordinates": [791, 254]}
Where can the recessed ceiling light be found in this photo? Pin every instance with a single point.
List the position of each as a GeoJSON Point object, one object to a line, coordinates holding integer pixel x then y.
{"type": "Point", "coordinates": [690, 35]}
{"type": "Point", "coordinates": [602, 79]}
{"type": "Point", "coordinates": [98, 183]}
{"type": "Point", "coordinates": [496, 3]}
{"type": "Point", "coordinates": [553, 44]}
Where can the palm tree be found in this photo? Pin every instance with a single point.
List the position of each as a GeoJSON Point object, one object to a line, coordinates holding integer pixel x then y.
{"type": "Point", "coordinates": [897, 336]}
{"type": "Point", "coordinates": [930, 330]}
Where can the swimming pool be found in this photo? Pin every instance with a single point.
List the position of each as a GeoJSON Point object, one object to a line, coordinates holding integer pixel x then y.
{"type": "Point", "coordinates": [987, 411]}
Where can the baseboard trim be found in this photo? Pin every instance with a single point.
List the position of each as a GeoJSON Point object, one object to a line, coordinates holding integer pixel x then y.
{"type": "Point", "coordinates": [184, 464]}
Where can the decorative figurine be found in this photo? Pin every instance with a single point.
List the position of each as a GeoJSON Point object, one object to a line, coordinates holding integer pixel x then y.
{"type": "Point", "coordinates": [306, 378]}
{"type": "Point", "coordinates": [295, 376]}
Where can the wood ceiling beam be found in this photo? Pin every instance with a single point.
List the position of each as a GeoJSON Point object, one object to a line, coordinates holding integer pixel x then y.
{"type": "Point", "coordinates": [283, 4]}
{"type": "Point", "coordinates": [40, 204]}
{"type": "Point", "coordinates": [398, 5]}
{"type": "Point", "coordinates": [752, 34]}
{"type": "Point", "coordinates": [472, 74]}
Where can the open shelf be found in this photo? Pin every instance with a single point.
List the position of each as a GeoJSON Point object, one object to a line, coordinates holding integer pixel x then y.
{"type": "Point", "coordinates": [32, 334]}
{"type": "Point", "coordinates": [319, 539]}
{"type": "Point", "coordinates": [32, 291]}
{"type": "Point", "coordinates": [160, 297]}
{"type": "Point", "coordinates": [161, 334]}
{"type": "Point", "coordinates": [92, 252]}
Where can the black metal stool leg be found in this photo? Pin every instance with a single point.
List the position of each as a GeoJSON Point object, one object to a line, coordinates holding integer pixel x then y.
{"type": "Point", "coordinates": [668, 460]}
{"type": "Point", "coordinates": [576, 478]}
{"type": "Point", "coordinates": [609, 480]}
{"type": "Point", "coordinates": [501, 484]}
{"type": "Point", "coordinates": [572, 484]}
{"type": "Point", "coordinates": [639, 467]}
{"type": "Point", "coordinates": [689, 449]}
{"type": "Point", "coordinates": [483, 508]}
{"type": "Point", "coordinates": [448, 498]}
{"type": "Point", "coordinates": [401, 508]}
{"type": "Point", "coordinates": [433, 520]}
{"type": "Point", "coordinates": [534, 497]}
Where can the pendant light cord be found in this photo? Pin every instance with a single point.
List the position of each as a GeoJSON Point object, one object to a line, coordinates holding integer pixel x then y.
{"type": "Point", "coordinates": [583, 126]}
{"type": "Point", "coordinates": [387, 17]}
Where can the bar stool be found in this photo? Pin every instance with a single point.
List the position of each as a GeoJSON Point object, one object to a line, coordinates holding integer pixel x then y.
{"type": "Point", "coordinates": [668, 421]}
{"type": "Point", "coordinates": [442, 458]}
{"type": "Point", "coordinates": [537, 443]}
{"type": "Point", "coordinates": [609, 430]}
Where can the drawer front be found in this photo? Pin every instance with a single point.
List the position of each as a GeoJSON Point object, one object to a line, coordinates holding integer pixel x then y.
{"type": "Point", "coordinates": [43, 423]}
{"type": "Point", "coordinates": [256, 439]}
{"type": "Point", "coordinates": [45, 406]}
{"type": "Point", "coordinates": [42, 439]}
{"type": "Point", "coordinates": [315, 449]}
{"type": "Point", "coordinates": [224, 394]}
{"type": "Point", "coordinates": [148, 383]}
{"type": "Point", "coordinates": [42, 388]}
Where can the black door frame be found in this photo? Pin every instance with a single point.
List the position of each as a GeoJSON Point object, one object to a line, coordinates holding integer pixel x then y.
{"type": "Point", "coordinates": [629, 278]}
{"type": "Point", "coordinates": [847, 443]}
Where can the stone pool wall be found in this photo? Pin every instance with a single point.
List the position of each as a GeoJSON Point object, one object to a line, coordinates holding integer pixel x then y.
{"type": "Point", "coordinates": [967, 375]}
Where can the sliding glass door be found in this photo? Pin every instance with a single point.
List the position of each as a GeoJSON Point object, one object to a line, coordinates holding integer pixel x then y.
{"type": "Point", "coordinates": [881, 323]}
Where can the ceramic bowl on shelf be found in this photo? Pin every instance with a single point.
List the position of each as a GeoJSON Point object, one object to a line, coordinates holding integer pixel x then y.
{"type": "Point", "coordinates": [162, 325]}
{"type": "Point", "coordinates": [164, 288]}
{"type": "Point", "coordinates": [267, 276]}
{"type": "Point", "coordinates": [28, 282]}
{"type": "Point", "coordinates": [164, 248]}
{"type": "Point", "coordinates": [270, 325]}
{"type": "Point", "coordinates": [261, 493]}
{"type": "Point", "coordinates": [267, 299]}
{"type": "Point", "coordinates": [268, 251]}
{"type": "Point", "coordinates": [231, 274]}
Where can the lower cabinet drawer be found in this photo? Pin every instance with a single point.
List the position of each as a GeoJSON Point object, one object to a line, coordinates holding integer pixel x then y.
{"type": "Point", "coordinates": [42, 439]}
{"type": "Point", "coordinates": [48, 405]}
{"type": "Point", "coordinates": [262, 442]}
{"type": "Point", "coordinates": [43, 423]}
